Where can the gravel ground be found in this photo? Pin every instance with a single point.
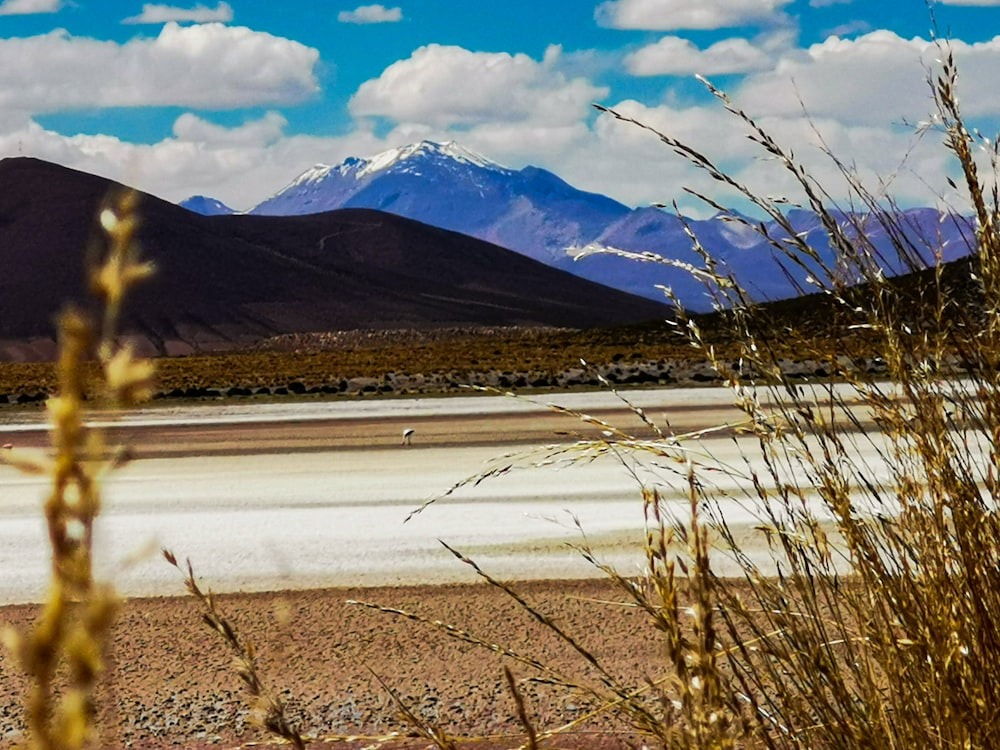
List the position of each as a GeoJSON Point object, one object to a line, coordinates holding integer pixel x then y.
{"type": "Point", "coordinates": [171, 682]}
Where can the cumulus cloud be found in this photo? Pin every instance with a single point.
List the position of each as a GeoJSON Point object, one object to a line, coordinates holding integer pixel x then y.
{"type": "Point", "coordinates": [265, 131]}
{"type": "Point", "coordinates": [211, 66]}
{"type": "Point", "coordinates": [632, 165]}
{"type": "Point", "coordinates": [245, 164]}
{"type": "Point", "coordinates": [520, 111]}
{"type": "Point", "coordinates": [28, 7]}
{"type": "Point", "coordinates": [668, 15]}
{"type": "Point", "coordinates": [643, 170]}
{"type": "Point", "coordinates": [445, 86]}
{"type": "Point", "coordinates": [850, 28]}
{"type": "Point", "coordinates": [876, 79]}
{"type": "Point", "coordinates": [675, 56]}
{"type": "Point", "coordinates": [152, 13]}
{"type": "Point", "coordinates": [371, 14]}
{"type": "Point", "coordinates": [885, 74]}
{"type": "Point", "coordinates": [199, 159]}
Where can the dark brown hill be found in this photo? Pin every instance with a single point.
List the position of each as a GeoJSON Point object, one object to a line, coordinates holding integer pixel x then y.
{"type": "Point", "coordinates": [225, 281]}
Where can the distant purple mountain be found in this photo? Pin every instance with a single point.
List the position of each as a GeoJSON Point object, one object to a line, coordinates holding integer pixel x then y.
{"type": "Point", "coordinates": [206, 206]}
{"type": "Point", "coordinates": [535, 213]}
{"type": "Point", "coordinates": [530, 210]}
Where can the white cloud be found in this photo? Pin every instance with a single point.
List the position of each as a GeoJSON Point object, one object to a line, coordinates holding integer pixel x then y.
{"type": "Point", "coordinates": [640, 169]}
{"type": "Point", "coordinates": [512, 107]}
{"type": "Point", "coordinates": [675, 56]}
{"type": "Point", "coordinates": [632, 165]}
{"type": "Point", "coordinates": [152, 13]}
{"type": "Point", "coordinates": [243, 165]}
{"type": "Point", "coordinates": [849, 29]}
{"type": "Point", "coordinates": [371, 14]}
{"type": "Point", "coordinates": [28, 7]}
{"type": "Point", "coordinates": [875, 79]}
{"type": "Point", "coordinates": [263, 132]}
{"type": "Point", "coordinates": [211, 66]}
{"type": "Point", "coordinates": [668, 15]}
{"type": "Point", "coordinates": [446, 86]}
{"type": "Point", "coordinates": [827, 3]}
{"type": "Point", "coordinates": [199, 158]}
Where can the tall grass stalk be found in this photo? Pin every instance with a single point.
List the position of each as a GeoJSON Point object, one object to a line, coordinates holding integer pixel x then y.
{"type": "Point", "coordinates": [875, 622]}
{"type": "Point", "coordinates": [63, 653]}
{"type": "Point", "coordinates": [268, 709]}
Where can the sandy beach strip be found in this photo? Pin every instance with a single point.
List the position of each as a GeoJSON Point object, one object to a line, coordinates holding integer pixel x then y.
{"type": "Point", "coordinates": [292, 434]}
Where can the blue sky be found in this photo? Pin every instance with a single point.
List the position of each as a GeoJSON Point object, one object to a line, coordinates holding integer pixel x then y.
{"type": "Point", "coordinates": [234, 99]}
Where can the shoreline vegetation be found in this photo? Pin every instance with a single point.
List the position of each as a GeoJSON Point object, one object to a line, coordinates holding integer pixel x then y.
{"type": "Point", "coordinates": [801, 334]}
{"type": "Point", "coordinates": [441, 362]}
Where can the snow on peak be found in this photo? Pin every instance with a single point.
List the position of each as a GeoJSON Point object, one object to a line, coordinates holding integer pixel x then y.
{"type": "Point", "coordinates": [316, 173]}
{"type": "Point", "coordinates": [449, 149]}
{"type": "Point", "coordinates": [359, 168]}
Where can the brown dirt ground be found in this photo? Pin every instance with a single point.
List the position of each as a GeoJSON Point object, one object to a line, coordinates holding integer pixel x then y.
{"type": "Point", "coordinates": [161, 441]}
{"type": "Point", "coordinates": [172, 683]}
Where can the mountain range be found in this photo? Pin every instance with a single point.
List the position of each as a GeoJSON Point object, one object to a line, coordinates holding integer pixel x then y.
{"type": "Point", "coordinates": [539, 215]}
{"type": "Point", "coordinates": [225, 281]}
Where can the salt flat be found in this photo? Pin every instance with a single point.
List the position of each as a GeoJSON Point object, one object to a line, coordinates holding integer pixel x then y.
{"type": "Point", "coordinates": [283, 518]}
{"type": "Point", "coordinates": [258, 522]}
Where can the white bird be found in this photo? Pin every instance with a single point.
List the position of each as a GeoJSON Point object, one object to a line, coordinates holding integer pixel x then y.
{"type": "Point", "coordinates": [407, 435]}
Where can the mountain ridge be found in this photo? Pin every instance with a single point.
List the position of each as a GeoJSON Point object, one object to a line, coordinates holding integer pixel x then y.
{"type": "Point", "coordinates": [538, 214]}
{"type": "Point", "coordinates": [226, 281]}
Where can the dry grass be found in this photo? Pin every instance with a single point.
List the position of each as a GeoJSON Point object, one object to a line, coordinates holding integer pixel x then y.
{"type": "Point", "coordinates": [64, 651]}
{"type": "Point", "coordinates": [878, 625]}
{"type": "Point", "coordinates": [268, 709]}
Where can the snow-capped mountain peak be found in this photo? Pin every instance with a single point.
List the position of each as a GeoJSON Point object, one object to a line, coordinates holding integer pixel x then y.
{"type": "Point", "coordinates": [448, 150]}
{"type": "Point", "coordinates": [324, 187]}
{"type": "Point", "coordinates": [311, 175]}
{"type": "Point", "coordinates": [360, 169]}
